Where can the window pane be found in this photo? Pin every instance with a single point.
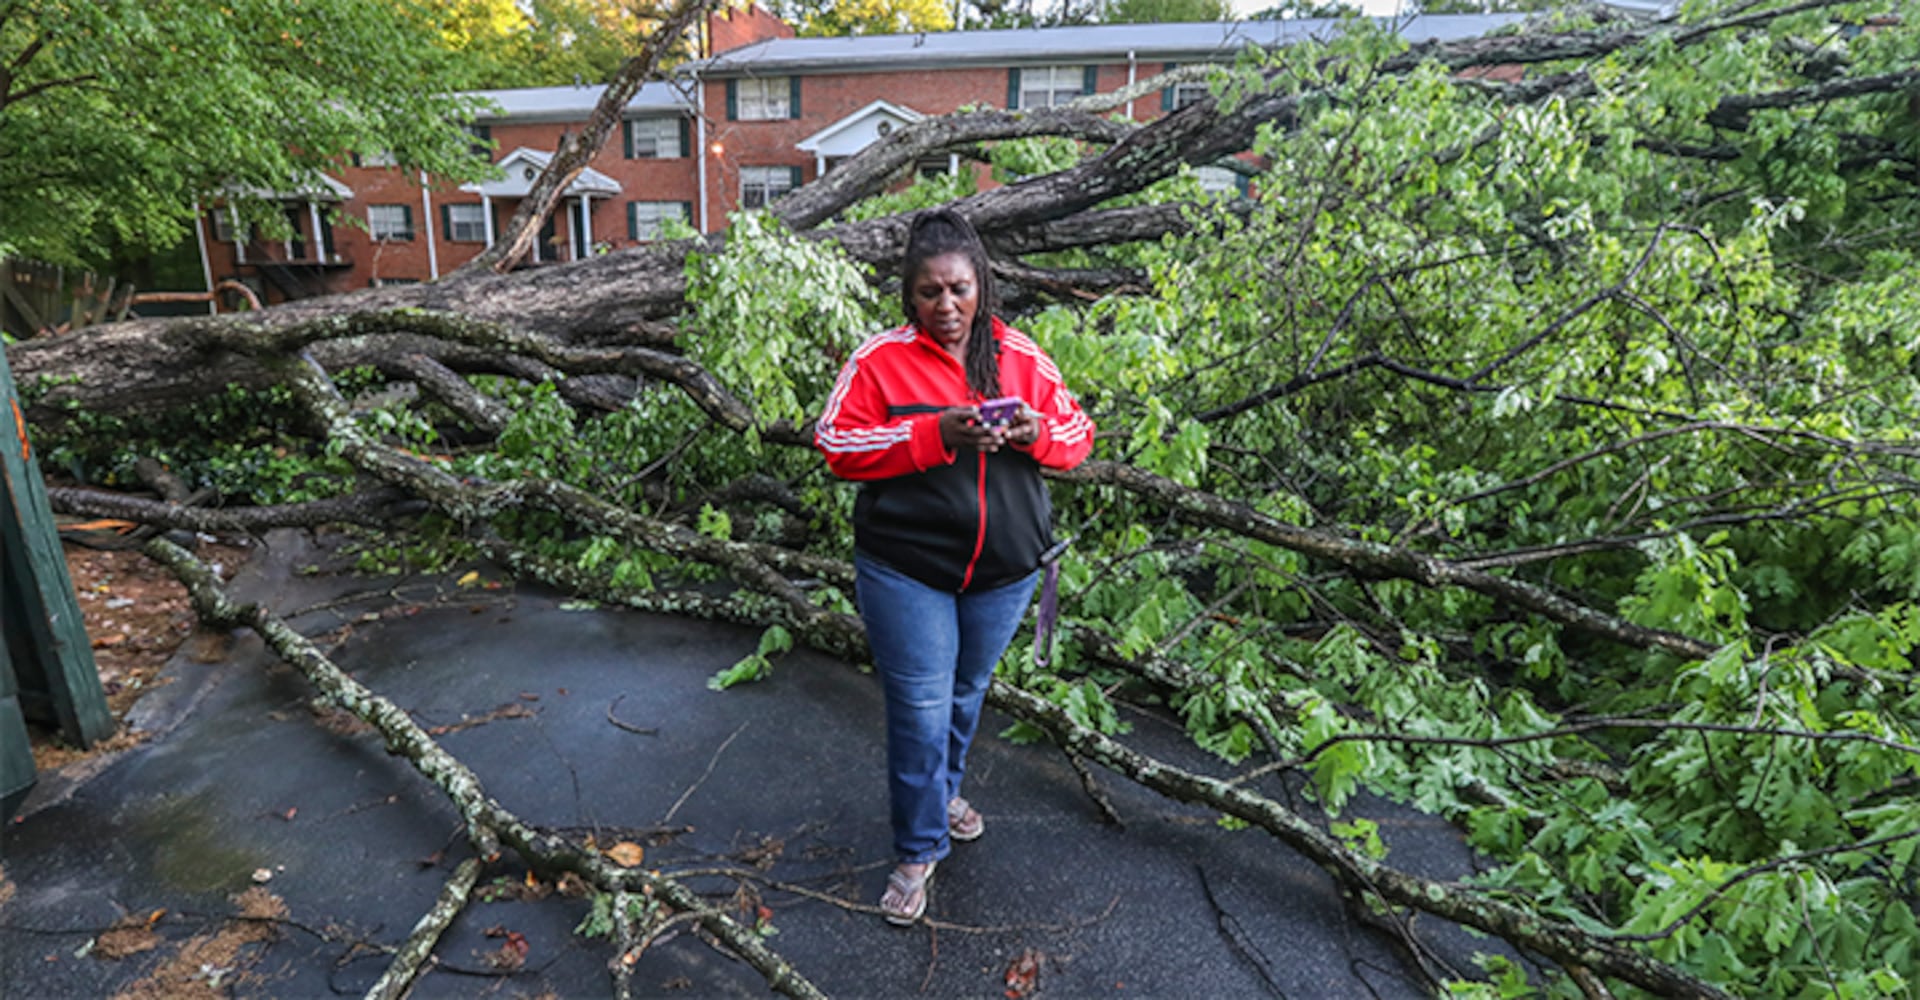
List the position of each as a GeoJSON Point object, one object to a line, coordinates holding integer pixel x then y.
{"type": "Point", "coordinates": [762, 99]}
{"type": "Point", "coordinates": [466, 223]}
{"type": "Point", "coordinates": [1217, 180]}
{"type": "Point", "coordinates": [388, 222]}
{"type": "Point", "coordinates": [657, 137]}
{"type": "Point", "coordinates": [648, 215]}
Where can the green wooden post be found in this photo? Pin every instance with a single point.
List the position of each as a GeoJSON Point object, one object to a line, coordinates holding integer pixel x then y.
{"type": "Point", "coordinates": [52, 658]}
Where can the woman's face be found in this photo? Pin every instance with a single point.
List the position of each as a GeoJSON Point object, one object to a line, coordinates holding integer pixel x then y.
{"type": "Point", "coordinates": [945, 294]}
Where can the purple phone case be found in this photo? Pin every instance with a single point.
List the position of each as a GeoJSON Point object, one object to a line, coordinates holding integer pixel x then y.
{"type": "Point", "coordinates": [995, 412]}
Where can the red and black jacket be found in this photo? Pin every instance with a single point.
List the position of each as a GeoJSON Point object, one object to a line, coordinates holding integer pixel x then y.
{"type": "Point", "coordinates": [954, 522]}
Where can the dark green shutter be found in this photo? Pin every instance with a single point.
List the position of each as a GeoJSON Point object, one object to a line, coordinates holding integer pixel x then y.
{"type": "Point", "coordinates": [686, 212]}
{"type": "Point", "coordinates": [686, 137]}
{"type": "Point", "coordinates": [1166, 96]}
{"type": "Point", "coordinates": [793, 97]}
{"type": "Point", "coordinates": [633, 220]}
{"type": "Point", "coordinates": [493, 210]}
{"type": "Point", "coordinates": [1013, 88]}
{"type": "Point", "coordinates": [406, 221]}
{"type": "Point", "coordinates": [794, 173]}
{"type": "Point", "coordinates": [446, 222]}
{"type": "Point", "coordinates": [1089, 79]}
{"type": "Point", "coordinates": [1245, 184]}
{"type": "Point", "coordinates": [733, 100]}
{"type": "Point", "coordinates": [626, 138]}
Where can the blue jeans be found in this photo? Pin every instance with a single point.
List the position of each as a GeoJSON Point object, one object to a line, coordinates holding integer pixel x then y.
{"type": "Point", "coordinates": [935, 652]}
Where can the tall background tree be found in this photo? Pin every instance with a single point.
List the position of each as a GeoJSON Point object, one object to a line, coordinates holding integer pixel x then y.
{"type": "Point", "coordinates": [117, 117]}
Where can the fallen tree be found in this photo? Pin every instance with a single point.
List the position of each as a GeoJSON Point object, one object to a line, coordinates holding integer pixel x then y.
{"type": "Point", "coordinates": [1537, 453]}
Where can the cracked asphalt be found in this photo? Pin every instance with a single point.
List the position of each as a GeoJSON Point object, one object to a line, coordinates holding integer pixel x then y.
{"type": "Point", "coordinates": [598, 722]}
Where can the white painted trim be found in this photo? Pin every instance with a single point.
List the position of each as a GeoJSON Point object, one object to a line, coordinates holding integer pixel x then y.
{"type": "Point", "coordinates": [426, 209]}
{"type": "Point", "coordinates": [700, 139]}
{"type": "Point", "coordinates": [486, 216]}
{"type": "Point", "coordinates": [206, 263]}
{"type": "Point", "coordinates": [319, 245]}
{"type": "Point", "coordinates": [1132, 65]}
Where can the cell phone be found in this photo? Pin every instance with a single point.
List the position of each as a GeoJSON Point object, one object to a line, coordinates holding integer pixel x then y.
{"type": "Point", "coordinates": [1000, 412]}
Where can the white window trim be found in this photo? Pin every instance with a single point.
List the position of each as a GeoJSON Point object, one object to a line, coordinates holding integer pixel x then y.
{"type": "Point", "coordinates": [455, 224]}
{"type": "Point", "coordinates": [665, 133]}
{"type": "Point", "coordinates": [770, 182]}
{"type": "Point", "coordinates": [649, 215]}
{"type": "Point", "coordinates": [772, 102]}
{"type": "Point", "coordinates": [374, 228]}
{"type": "Point", "coordinates": [1057, 93]}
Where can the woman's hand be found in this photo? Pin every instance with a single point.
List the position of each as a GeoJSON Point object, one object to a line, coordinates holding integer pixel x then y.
{"type": "Point", "coordinates": [960, 427]}
{"type": "Point", "coordinates": [1024, 428]}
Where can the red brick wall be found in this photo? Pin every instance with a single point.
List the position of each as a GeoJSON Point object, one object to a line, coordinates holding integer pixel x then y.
{"type": "Point", "coordinates": [731, 29]}
{"type": "Point", "coordinates": [826, 99]}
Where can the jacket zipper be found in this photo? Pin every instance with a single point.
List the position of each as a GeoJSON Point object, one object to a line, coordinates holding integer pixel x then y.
{"type": "Point", "coordinates": [980, 533]}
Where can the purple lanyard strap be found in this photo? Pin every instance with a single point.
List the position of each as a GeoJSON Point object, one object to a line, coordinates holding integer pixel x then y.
{"type": "Point", "coordinates": [1049, 613]}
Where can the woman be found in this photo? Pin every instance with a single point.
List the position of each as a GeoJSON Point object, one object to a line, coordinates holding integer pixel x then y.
{"type": "Point", "coordinates": [950, 523]}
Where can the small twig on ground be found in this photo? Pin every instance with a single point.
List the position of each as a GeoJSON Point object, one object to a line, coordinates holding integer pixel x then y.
{"type": "Point", "coordinates": [668, 818]}
{"type": "Point", "coordinates": [617, 724]}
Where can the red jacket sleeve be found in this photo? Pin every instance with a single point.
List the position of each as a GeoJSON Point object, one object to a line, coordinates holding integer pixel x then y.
{"type": "Point", "coordinates": [1066, 432]}
{"type": "Point", "coordinates": [860, 441]}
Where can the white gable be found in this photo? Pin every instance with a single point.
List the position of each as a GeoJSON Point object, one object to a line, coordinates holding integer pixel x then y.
{"type": "Point", "coordinates": [859, 130]}
{"type": "Point", "coordinates": [523, 166]}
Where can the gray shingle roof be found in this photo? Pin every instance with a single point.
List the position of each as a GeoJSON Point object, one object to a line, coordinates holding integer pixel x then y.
{"type": "Point", "coordinates": [572, 104]}
{"type": "Point", "coordinates": [1192, 42]}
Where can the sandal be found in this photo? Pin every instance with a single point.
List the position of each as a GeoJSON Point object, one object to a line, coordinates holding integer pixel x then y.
{"type": "Point", "coordinates": [906, 896]}
{"type": "Point", "coordinates": [963, 821]}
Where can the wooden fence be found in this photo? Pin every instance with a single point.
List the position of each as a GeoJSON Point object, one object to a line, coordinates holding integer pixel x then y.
{"type": "Point", "coordinates": [39, 300]}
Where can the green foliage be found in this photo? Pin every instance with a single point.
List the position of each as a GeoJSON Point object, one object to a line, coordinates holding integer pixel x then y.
{"type": "Point", "coordinates": [1678, 390]}
{"type": "Point", "coordinates": [757, 666]}
{"type": "Point", "coordinates": [121, 115]}
{"type": "Point", "coordinates": [774, 317]}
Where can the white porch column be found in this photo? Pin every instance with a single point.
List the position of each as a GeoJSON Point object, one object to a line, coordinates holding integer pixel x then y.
{"type": "Point", "coordinates": [319, 245]}
{"type": "Point", "coordinates": [239, 236]}
{"type": "Point", "coordinates": [586, 226]}
{"type": "Point", "coordinates": [486, 215]}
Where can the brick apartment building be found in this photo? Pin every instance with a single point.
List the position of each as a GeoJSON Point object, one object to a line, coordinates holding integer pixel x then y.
{"type": "Point", "coordinates": [763, 113]}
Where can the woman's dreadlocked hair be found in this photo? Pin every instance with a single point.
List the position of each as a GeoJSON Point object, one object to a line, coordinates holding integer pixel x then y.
{"type": "Point", "coordinates": [941, 231]}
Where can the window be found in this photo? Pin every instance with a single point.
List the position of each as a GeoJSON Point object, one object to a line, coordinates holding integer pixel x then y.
{"type": "Point", "coordinates": [1220, 180]}
{"type": "Point", "coordinates": [466, 223]}
{"type": "Point", "coordinates": [656, 138]}
{"type": "Point", "coordinates": [1181, 94]}
{"type": "Point", "coordinates": [380, 159]}
{"type": "Point", "coordinates": [644, 217]}
{"type": "Point", "coordinates": [763, 99]}
{"type": "Point", "coordinates": [223, 228]}
{"type": "Point", "coordinates": [390, 222]}
{"type": "Point", "coordinates": [1048, 86]}
{"type": "Point", "coordinates": [762, 185]}
{"type": "Point", "coordinates": [483, 140]}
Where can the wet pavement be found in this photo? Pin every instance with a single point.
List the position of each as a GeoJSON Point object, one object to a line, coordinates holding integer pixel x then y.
{"type": "Point", "coordinates": [599, 721]}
